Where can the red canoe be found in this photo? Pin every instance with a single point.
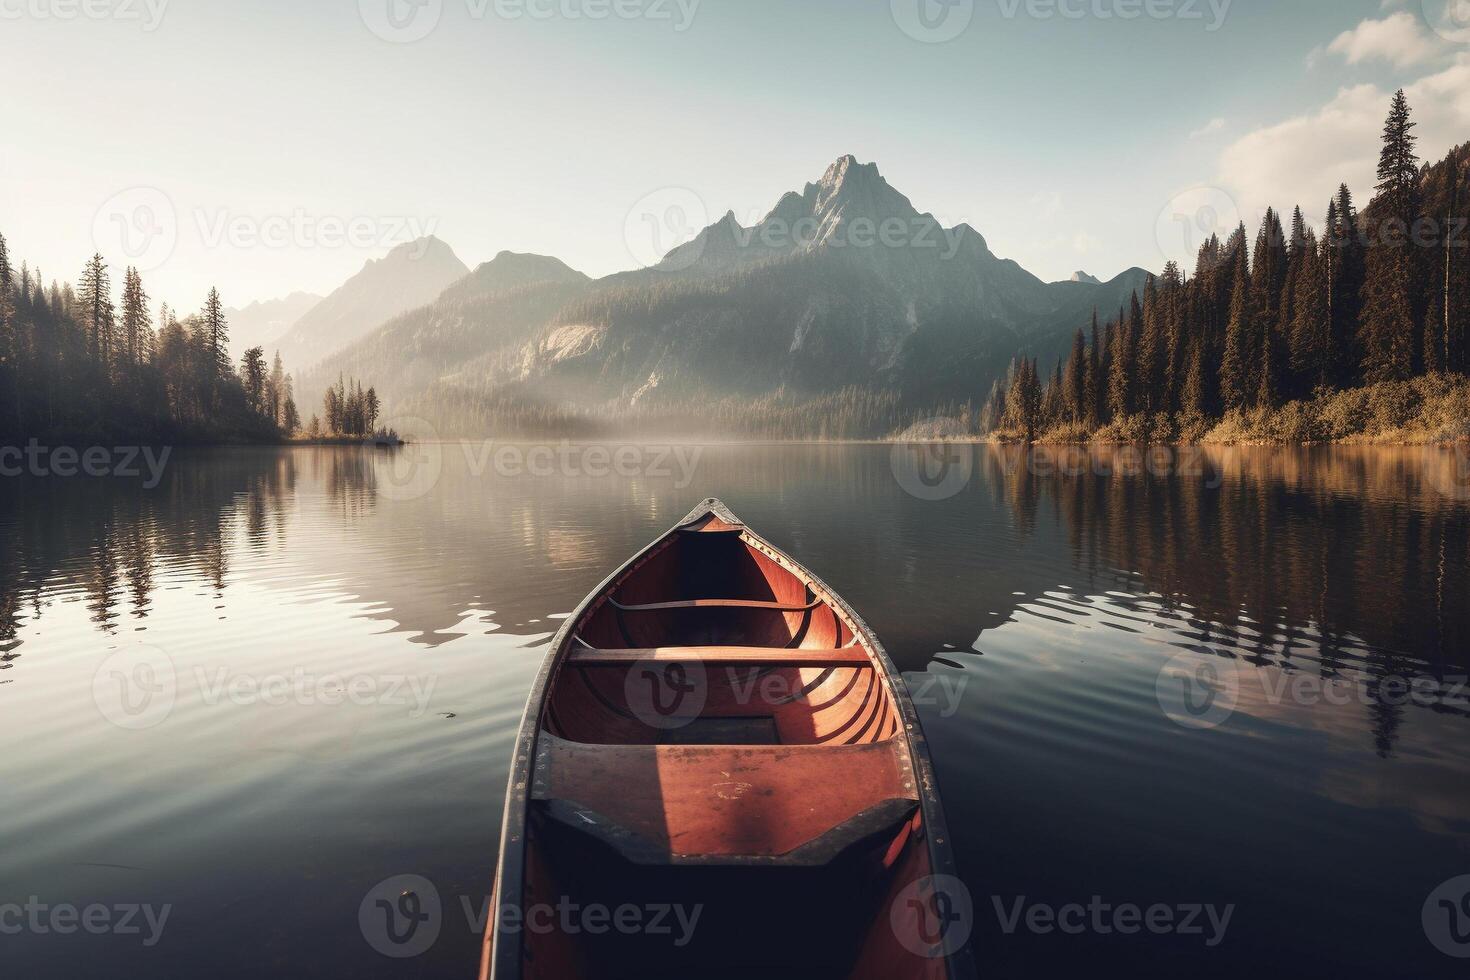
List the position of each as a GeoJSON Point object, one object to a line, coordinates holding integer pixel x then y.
{"type": "Point", "coordinates": [719, 771]}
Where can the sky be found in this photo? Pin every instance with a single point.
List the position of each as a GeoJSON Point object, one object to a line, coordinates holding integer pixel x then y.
{"type": "Point", "coordinates": [275, 145]}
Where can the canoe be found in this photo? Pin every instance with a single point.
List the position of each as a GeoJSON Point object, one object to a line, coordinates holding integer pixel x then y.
{"type": "Point", "coordinates": [719, 771]}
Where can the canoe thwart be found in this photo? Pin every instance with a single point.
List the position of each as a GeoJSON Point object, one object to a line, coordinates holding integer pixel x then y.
{"type": "Point", "coordinates": [717, 604]}
{"type": "Point", "coordinates": [752, 656]}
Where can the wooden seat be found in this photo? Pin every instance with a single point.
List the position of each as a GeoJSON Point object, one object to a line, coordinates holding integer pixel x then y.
{"type": "Point", "coordinates": [741, 656]}
{"type": "Point", "coordinates": [717, 604]}
{"type": "Point", "coordinates": [725, 804]}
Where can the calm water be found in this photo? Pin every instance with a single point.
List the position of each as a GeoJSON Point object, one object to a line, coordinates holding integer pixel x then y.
{"type": "Point", "coordinates": [255, 691]}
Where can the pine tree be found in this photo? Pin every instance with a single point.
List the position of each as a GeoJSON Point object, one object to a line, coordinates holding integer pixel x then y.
{"type": "Point", "coordinates": [1192, 392]}
{"type": "Point", "coordinates": [1387, 329]}
{"type": "Point", "coordinates": [135, 320]}
{"type": "Point", "coordinates": [290, 417]}
{"type": "Point", "coordinates": [216, 333]}
{"type": "Point", "coordinates": [252, 377]}
{"type": "Point", "coordinates": [95, 296]}
{"type": "Point", "coordinates": [1236, 390]}
{"type": "Point", "coordinates": [1096, 378]}
{"type": "Point", "coordinates": [10, 383]}
{"type": "Point", "coordinates": [1148, 386]}
{"type": "Point", "coordinates": [275, 390]}
{"type": "Point", "coordinates": [1344, 273]}
{"type": "Point", "coordinates": [1121, 367]}
{"type": "Point", "coordinates": [1311, 328]}
{"type": "Point", "coordinates": [1076, 383]}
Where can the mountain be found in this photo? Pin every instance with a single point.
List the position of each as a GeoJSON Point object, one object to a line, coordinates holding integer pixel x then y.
{"type": "Point", "coordinates": [1080, 276]}
{"type": "Point", "coordinates": [409, 276]}
{"type": "Point", "coordinates": [843, 286]}
{"type": "Point", "coordinates": [261, 324]}
{"type": "Point", "coordinates": [512, 270]}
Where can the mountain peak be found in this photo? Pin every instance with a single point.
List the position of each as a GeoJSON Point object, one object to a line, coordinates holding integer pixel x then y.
{"type": "Point", "coordinates": [1080, 276]}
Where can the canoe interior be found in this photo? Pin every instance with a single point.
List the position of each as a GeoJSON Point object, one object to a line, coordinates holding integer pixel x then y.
{"type": "Point", "coordinates": [778, 797]}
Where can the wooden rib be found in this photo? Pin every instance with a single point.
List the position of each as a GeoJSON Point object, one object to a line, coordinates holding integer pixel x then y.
{"type": "Point", "coordinates": [767, 656]}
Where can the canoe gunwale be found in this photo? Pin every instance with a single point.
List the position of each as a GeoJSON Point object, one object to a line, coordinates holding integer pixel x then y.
{"type": "Point", "coordinates": [503, 952]}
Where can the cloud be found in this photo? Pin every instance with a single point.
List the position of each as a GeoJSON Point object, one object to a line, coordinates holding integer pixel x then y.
{"type": "Point", "coordinates": [1213, 126]}
{"type": "Point", "coordinates": [1399, 38]}
{"type": "Point", "coordinates": [1302, 160]}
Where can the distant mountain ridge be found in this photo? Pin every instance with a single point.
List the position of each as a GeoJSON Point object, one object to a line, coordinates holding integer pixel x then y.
{"type": "Point", "coordinates": [409, 276]}
{"type": "Point", "coordinates": [842, 286]}
{"type": "Point", "coordinates": [264, 322]}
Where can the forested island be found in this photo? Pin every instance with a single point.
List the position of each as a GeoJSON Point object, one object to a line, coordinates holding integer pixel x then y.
{"type": "Point", "coordinates": [1358, 334]}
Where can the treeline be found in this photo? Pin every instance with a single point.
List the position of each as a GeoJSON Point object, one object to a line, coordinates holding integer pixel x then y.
{"type": "Point", "coordinates": [77, 365]}
{"type": "Point", "coordinates": [1379, 298]}
{"type": "Point", "coordinates": [347, 411]}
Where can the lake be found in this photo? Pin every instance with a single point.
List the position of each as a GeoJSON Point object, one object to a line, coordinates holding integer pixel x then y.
{"type": "Point", "coordinates": [237, 697]}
